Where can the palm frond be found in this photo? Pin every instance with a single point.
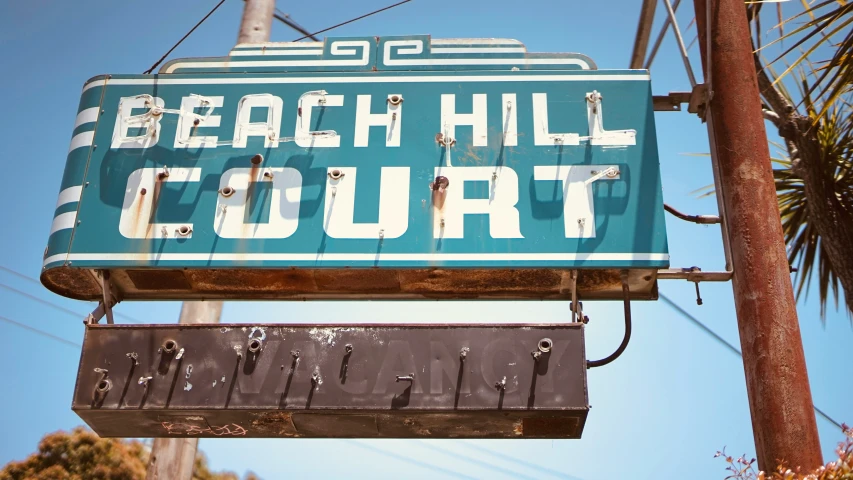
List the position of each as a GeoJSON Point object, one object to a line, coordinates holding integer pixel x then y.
{"type": "Point", "coordinates": [826, 20]}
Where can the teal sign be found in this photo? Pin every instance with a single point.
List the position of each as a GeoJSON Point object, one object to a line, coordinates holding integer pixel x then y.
{"type": "Point", "coordinates": [389, 153]}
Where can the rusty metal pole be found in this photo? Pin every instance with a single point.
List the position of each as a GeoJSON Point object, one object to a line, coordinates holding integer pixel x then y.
{"type": "Point", "coordinates": [780, 399]}
{"type": "Point", "coordinates": [173, 458]}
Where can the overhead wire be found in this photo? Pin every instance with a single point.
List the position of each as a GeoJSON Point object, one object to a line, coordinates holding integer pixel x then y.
{"type": "Point", "coordinates": [40, 332]}
{"type": "Point", "coordinates": [158, 62]}
{"type": "Point", "coordinates": [684, 313]}
{"type": "Point", "coordinates": [353, 20]}
{"type": "Point", "coordinates": [285, 19]}
{"type": "Point", "coordinates": [48, 302]}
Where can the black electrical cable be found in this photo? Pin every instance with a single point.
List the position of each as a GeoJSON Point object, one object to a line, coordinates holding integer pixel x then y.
{"type": "Point", "coordinates": [40, 332]}
{"type": "Point", "coordinates": [183, 38]}
{"type": "Point", "coordinates": [684, 313]}
{"type": "Point", "coordinates": [48, 302]}
{"type": "Point", "coordinates": [353, 20]}
{"type": "Point", "coordinates": [285, 19]}
{"type": "Point", "coordinates": [626, 338]}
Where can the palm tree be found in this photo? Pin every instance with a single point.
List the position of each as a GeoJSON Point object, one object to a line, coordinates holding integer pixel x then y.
{"type": "Point", "coordinates": [814, 178]}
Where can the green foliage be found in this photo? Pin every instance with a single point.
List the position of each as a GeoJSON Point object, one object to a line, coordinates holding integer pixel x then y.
{"type": "Point", "coordinates": [827, 20]}
{"type": "Point", "coordinates": [805, 248]}
{"type": "Point", "coordinates": [82, 455]}
{"type": "Point", "coordinates": [841, 469]}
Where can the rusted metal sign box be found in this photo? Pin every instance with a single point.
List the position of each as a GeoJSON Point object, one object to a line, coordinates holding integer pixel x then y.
{"type": "Point", "coordinates": [499, 381]}
{"type": "Point", "coordinates": [391, 167]}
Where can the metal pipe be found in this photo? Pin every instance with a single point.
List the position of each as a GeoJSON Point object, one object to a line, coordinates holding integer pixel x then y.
{"type": "Point", "coordinates": [626, 300]}
{"type": "Point", "coordinates": [681, 47]}
{"type": "Point", "coordinates": [641, 41]}
{"type": "Point", "coordinates": [780, 400]}
{"type": "Point", "coordinates": [659, 40]}
{"type": "Point", "coordinates": [703, 219]}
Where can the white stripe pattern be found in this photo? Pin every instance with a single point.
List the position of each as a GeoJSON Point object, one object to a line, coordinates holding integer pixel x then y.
{"type": "Point", "coordinates": [364, 257]}
{"type": "Point", "coordinates": [88, 115]}
{"type": "Point", "coordinates": [69, 195]}
{"type": "Point", "coordinates": [63, 221]}
{"type": "Point", "coordinates": [83, 139]}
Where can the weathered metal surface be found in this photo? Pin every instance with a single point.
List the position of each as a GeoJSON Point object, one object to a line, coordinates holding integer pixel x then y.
{"type": "Point", "coordinates": [398, 157]}
{"type": "Point", "coordinates": [342, 381]}
{"type": "Point", "coordinates": [375, 284]}
{"type": "Point", "coordinates": [780, 400]}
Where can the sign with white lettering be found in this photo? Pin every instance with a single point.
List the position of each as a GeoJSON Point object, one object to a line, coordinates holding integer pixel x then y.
{"type": "Point", "coordinates": [403, 154]}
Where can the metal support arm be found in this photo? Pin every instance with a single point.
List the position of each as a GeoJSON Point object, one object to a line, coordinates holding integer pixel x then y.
{"type": "Point", "coordinates": [702, 219]}
{"type": "Point", "coordinates": [622, 346]}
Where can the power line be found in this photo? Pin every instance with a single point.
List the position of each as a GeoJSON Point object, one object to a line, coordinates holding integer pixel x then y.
{"type": "Point", "coordinates": [49, 303]}
{"type": "Point", "coordinates": [20, 275]}
{"type": "Point", "coordinates": [731, 347]}
{"type": "Point", "coordinates": [40, 332]}
{"type": "Point", "coordinates": [183, 38]}
{"type": "Point", "coordinates": [285, 18]}
{"type": "Point", "coordinates": [353, 20]}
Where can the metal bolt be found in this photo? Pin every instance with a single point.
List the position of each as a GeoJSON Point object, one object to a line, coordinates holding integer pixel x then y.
{"type": "Point", "coordinates": [257, 159]}
{"type": "Point", "coordinates": [536, 355]}
{"type": "Point", "coordinates": [143, 191]}
{"type": "Point", "coordinates": [144, 381]}
{"type": "Point", "coordinates": [698, 298]}
{"type": "Point", "coordinates": [441, 223]}
{"type": "Point", "coordinates": [501, 385]}
{"type": "Point", "coordinates": [169, 347]}
{"type": "Point", "coordinates": [406, 378]}
{"type": "Point", "coordinates": [463, 353]}
{"type": "Point", "coordinates": [104, 386]}
{"type": "Point", "coordinates": [381, 233]}
{"type": "Point", "coordinates": [268, 174]}
{"type": "Point", "coordinates": [348, 348]}
{"type": "Point", "coordinates": [294, 353]}
{"type": "Point", "coordinates": [133, 356]}
{"type": "Point", "coordinates": [439, 184]}
{"type": "Point", "coordinates": [196, 122]}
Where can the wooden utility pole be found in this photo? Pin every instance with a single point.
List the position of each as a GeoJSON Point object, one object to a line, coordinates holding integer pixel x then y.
{"type": "Point", "coordinates": [173, 458]}
{"type": "Point", "coordinates": [780, 399]}
{"type": "Point", "coordinates": [257, 21]}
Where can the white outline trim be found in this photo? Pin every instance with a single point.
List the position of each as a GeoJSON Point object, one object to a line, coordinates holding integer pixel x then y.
{"type": "Point", "coordinates": [63, 221]}
{"type": "Point", "coordinates": [69, 195]}
{"type": "Point", "coordinates": [476, 41]}
{"type": "Point", "coordinates": [276, 52]}
{"type": "Point", "coordinates": [241, 46]}
{"type": "Point", "coordinates": [83, 139]}
{"type": "Point", "coordinates": [370, 79]}
{"type": "Point", "coordinates": [87, 116]}
{"type": "Point", "coordinates": [455, 50]}
{"type": "Point", "coordinates": [361, 257]}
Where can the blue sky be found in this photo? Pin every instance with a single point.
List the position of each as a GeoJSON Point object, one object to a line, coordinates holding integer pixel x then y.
{"type": "Point", "coordinates": [673, 399]}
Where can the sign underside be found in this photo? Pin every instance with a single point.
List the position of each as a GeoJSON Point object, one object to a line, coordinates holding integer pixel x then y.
{"type": "Point", "coordinates": [241, 380]}
{"type": "Point", "coordinates": [397, 167]}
